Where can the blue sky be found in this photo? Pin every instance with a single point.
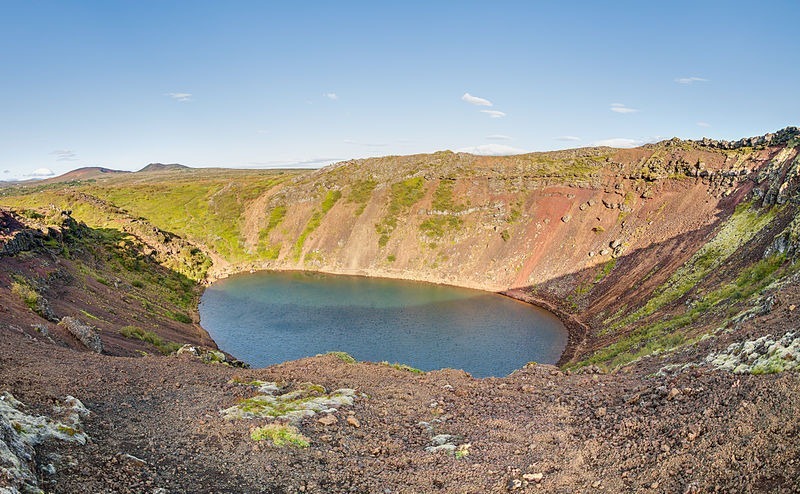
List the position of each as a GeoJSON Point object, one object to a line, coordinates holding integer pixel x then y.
{"type": "Point", "coordinates": [262, 84]}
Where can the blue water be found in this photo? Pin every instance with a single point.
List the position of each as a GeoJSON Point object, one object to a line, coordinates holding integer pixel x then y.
{"type": "Point", "coordinates": [271, 317]}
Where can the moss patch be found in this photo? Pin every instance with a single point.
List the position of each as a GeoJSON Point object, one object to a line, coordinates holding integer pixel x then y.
{"type": "Point", "coordinates": [280, 435]}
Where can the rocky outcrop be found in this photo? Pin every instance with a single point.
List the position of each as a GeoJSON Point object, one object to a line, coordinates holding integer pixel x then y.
{"type": "Point", "coordinates": [21, 433]}
{"type": "Point", "coordinates": [85, 333]}
{"type": "Point", "coordinates": [782, 136]}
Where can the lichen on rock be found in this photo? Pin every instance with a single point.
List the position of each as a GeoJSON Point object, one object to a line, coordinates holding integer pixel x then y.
{"type": "Point", "coordinates": [20, 433]}
{"type": "Point", "coordinates": [765, 355]}
{"type": "Point", "coordinates": [307, 400]}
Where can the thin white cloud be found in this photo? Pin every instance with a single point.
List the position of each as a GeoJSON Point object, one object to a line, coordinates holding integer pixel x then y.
{"type": "Point", "coordinates": [689, 80]}
{"type": "Point", "coordinates": [494, 113]}
{"type": "Point", "coordinates": [180, 96]}
{"type": "Point", "coordinates": [568, 138]}
{"type": "Point", "coordinates": [703, 124]}
{"type": "Point", "coordinates": [6, 171]}
{"type": "Point", "coordinates": [619, 142]}
{"type": "Point", "coordinates": [492, 150]}
{"type": "Point", "coordinates": [499, 137]}
{"type": "Point", "coordinates": [64, 155]}
{"type": "Point", "coordinates": [474, 100]}
{"type": "Point", "coordinates": [41, 173]}
{"type": "Point", "coordinates": [308, 163]}
{"type": "Point", "coordinates": [332, 96]}
{"type": "Point", "coordinates": [620, 108]}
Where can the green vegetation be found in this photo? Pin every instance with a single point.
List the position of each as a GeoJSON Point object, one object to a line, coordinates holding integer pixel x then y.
{"type": "Point", "coordinates": [280, 435]}
{"type": "Point", "coordinates": [276, 216]}
{"type": "Point", "coordinates": [165, 347]}
{"type": "Point", "coordinates": [343, 356]}
{"type": "Point", "coordinates": [505, 235]}
{"type": "Point", "coordinates": [391, 258]}
{"type": "Point", "coordinates": [666, 334]}
{"type": "Point", "coordinates": [23, 288]}
{"type": "Point", "coordinates": [360, 192]}
{"type": "Point", "coordinates": [443, 204]}
{"type": "Point", "coordinates": [403, 367]}
{"type": "Point", "coordinates": [403, 195]}
{"type": "Point", "coordinates": [606, 269]}
{"type": "Point", "coordinates": [743, 225]}
{"type": "Point", "coordinates": [316, 219]}
{"type": "Point", "coordinates": [437, 226]}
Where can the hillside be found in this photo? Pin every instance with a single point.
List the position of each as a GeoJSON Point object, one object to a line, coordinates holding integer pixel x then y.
{"type": "Point", "coordinates": [673, 265]}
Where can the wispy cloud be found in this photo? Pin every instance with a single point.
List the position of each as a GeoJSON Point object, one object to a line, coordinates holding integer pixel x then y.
{"type": "Point", "coordinates": [568, 138]}
{"type": "Point", "coordinates": [41, 173]}
{"type": "Point", "coordinates": [689, 80]}
{"type": "Point", "coordinates": [332, 96]}
{"type": "Point", "coordinates": [307, 163]}
{"type": "Point", "coordinates": [494, 113]}
{"type": "Point", "coordinates": [703, 124]}
{"type": "Point", "coordinates": [499, 137]}
{"type": "Point", "coordinates": [180, 96]}
{"type": "Point", "coordinates": [492, 150]}
{"type": "Point", "coordinates": [620, 108]}
{"type": "Point", "coordinates": [64, 155]}
{"type": "Point", "coordinates": [474, 100]}
{"type": "Point", "coordinates": [365, 144]}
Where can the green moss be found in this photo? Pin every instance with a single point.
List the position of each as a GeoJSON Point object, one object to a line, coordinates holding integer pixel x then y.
{"type": "Point", "coordinates": [280, 435]}
{"type": "Point", "coordinates": [343, 356]}
{"type": "Point", "coordinates": [70, 431]}
{"type": "Point", "coordinates": [165, 347]}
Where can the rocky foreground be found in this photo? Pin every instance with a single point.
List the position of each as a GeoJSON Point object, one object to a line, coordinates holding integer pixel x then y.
{"type": "Point", "coordinates": [157, 424]}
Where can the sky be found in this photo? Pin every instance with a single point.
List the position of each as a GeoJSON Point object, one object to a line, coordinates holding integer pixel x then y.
{"type": "Point", "coordinates": [254, 84]}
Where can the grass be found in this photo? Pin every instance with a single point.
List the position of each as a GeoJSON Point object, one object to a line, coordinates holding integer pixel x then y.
{"type": "Point", "coordinates": [343, 356]}
{"type": "Point", "coordinates": [280, 435]}
{"type": "Point", "coordinates": [403, 195]}
{"type": "Point", "coordinates": [742, 226]}
{"type": "Point", "coordinates": [23, 289]}
{"type": "Point", "coordinates": [667, 334]}
{"type": "Point", "coordinates": [165, 347]}
{"type": "Point", "coordinates": [438, 226]}
{"type": "Point", "coordinates": [360, 193]}
{"type": "Point", "coordinates": [316, 219]}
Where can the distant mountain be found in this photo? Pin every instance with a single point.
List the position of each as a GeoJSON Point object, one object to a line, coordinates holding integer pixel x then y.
{"type": "Point", "coordinates": [84, 173]}
{"type": "Point", "coordinates": [161, 167]}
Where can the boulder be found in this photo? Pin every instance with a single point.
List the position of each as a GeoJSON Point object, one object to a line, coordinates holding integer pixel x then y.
{"type": "Point", "coordinates": [85, 333]}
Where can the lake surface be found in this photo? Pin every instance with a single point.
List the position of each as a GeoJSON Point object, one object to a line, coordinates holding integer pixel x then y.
{"type": "Point", "coordinates": [270, 317]}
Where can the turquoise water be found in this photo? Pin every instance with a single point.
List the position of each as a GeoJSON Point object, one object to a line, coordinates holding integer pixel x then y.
{"type": "Point", "coordinates": [271, 317]}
